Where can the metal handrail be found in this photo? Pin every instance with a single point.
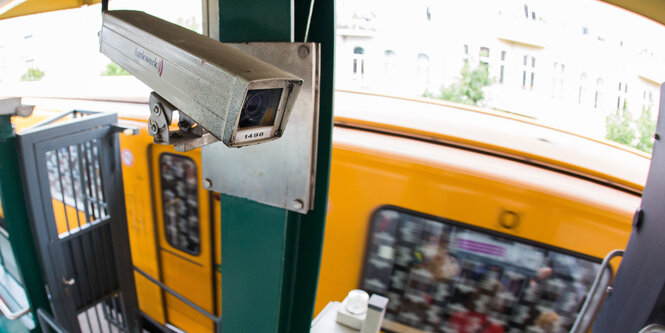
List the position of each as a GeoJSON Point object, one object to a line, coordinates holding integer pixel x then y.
{"type": "Point", "coordinates": [44, 318]}
{"type": "Point", "coordinates": [215, 319]}
{"type": "Point", "coordinates": [4, 308]}
{"type": "Point", "coordinates": [652, 328]}
{"type": "Point", "coordinates": [580, 326]}
{"type": "Point", "coordinates": [73, 113]}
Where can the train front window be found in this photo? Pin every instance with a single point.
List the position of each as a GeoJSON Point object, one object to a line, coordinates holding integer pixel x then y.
{"type": "Point", "coordinates": [180, 202]}
{"type": "Point", "coordinates": [443, 277]}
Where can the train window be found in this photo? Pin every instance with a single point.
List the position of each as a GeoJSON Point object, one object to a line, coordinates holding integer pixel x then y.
{"type": "Point", "coordinates": [443, 277]}
{"type": "Point", "coordinates": [180, 202]}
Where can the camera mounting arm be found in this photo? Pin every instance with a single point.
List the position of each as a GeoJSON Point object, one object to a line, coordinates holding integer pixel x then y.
{"type": "Point", "coordinates": [189, 134]}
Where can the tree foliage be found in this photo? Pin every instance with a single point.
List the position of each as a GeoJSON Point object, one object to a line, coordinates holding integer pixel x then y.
{"type": "Point", "coordinates": [469, 89]}
{"type": "Point", "coordinates": [33, 74]}
{"type": "Point", "coordinates": [621, 128]}
{"type": "Point", "coordinates": [113, 69]}
{"type": "Point", "coordinates": [646, 128]}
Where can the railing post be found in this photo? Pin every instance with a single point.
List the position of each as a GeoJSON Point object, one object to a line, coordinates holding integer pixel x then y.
{"type": "Point", "coordinates": [270, 256]}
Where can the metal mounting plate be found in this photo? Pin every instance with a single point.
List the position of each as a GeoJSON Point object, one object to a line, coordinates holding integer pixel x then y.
{"type": "Point", "coordinates": [280, 173]}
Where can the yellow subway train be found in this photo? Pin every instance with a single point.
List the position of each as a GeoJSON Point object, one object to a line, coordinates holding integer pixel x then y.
{"type": "Point", "coordinates": [460, 216]}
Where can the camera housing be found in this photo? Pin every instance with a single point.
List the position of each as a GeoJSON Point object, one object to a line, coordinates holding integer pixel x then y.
{"type": "Point", "coordinates": [237, 98]}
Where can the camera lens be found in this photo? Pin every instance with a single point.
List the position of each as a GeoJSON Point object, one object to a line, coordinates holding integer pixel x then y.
{"type": "Point", "coordinates": [259, 108]}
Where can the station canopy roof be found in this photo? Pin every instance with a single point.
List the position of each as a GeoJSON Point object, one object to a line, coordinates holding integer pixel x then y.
{"type": "Point", "coordinates": [14, 8]}
{"type": "Point", "coordinates": [653, 9]}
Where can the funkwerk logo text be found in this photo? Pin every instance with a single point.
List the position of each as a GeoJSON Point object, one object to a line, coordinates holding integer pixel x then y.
{"type": "Point", "coordinates": [158, 65]}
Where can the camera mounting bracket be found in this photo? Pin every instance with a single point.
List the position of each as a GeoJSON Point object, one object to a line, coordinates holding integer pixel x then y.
{"type": "Point", "coordinates": [188, 136]}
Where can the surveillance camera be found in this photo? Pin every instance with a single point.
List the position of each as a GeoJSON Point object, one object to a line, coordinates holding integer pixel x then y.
{"type": "Point", "coordinates": [238, 98]}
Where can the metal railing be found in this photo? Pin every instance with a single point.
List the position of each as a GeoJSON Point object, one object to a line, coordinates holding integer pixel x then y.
{"type": "Point", "coordinates": [4, 308]}
{"type": "Point", "coordinates": [46, 321]}
{"type": "Point", "coordinates": [216, 320]}
{"type": "Point", "coordinates": [592, 304]}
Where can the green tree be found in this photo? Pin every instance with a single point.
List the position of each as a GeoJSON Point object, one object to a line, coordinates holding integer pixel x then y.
{"type": "Point", "coordinates": [469, 88]}
{"type": "Point", "coordinates": [619, 128]}
{"type": "Point", "coordinates": [33, 74]}
{"type": "Point", "coordinates": [646, 127]}
{"type": "Point", "coordinates": [113, 69]}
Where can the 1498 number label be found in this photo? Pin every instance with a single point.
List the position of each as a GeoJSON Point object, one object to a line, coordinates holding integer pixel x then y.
{"type": "Point", "coordinates": [253, 135]}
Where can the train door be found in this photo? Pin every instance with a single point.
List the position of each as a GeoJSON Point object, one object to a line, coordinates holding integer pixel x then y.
{"type": "Point", "coordinates": [184, 237]}
{"type": "Point", "coordinates": [73, 179]}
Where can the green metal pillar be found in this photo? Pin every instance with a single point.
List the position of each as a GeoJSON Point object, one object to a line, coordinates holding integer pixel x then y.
{"type": "Point", "coordinates": [17, 221]}
{"type": "Point", "coordinates": [270, 256]}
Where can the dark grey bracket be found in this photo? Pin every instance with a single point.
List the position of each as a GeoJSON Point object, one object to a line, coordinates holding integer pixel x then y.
{"type": "Point", "coordinates": [188, 136]}
{"type": "Point", "coordinates": [638, 294]}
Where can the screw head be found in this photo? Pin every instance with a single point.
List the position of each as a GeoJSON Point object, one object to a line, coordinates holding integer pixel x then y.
{"type": "Point", "coordinates": [153, 127]}
{"type": "Point", "coordinates": [297, 204]}
{"type": "Point", "coordinates": [157, 109]}
{"type": "Point", "coordinates": [303, 51]}
{"type": "Point", "coordinates": [207, 183]}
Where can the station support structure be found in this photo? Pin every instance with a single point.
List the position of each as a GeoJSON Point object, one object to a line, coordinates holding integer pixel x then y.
{"type": "Point", "coordinates": [271, 256]}
{"type": "Point", "coordinates": [17, 222]}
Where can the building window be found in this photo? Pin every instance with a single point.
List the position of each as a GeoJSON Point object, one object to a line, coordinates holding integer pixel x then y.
{"type": "Point", "coordinates": [529, 72]}
{"type": "Point", "coordinates": [503, 66]}
{"type": "Point", "coordinates": [529, 14]}
{"type": "Point", "coordinates": [558, 79]}
{"type": "Point", "coordinates": [598, 96]}
{"type": "Point", "coordinates": [390, 62]}
{"type": "Point", "coordinates": [484, 57]}
{"type": "Point", "coordinates": [622, 103]}
{"type": "Point", "coordinates": [436, 272]}
{"type": "Point", "coordinates": [422, 70]}
{"type": "Point", "coordinates": [647, 100]}
{"type": "Point", "coordinates": [582, 91]}
{"type": "Point", "coordinates": [358, 63]}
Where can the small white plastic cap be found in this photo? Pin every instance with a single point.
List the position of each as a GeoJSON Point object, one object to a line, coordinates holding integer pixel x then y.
{"type": "Point", "coordinates": [357, 302]}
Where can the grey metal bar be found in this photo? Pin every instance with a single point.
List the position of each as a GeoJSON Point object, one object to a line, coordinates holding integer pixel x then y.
{"type": "Point", "coordinates": [85, 265]}
{"type": "Point", "coordinates": [44, 318]}
{"type": "Point", "coordinates": [653, 328]}
{"type": "Point", "coordinates": [210, 316]}
{"type": "Point", "coordinates": [82, 175]}
{"type": "Point", "coordinates": [71, 178]}
{"type": "Point", "coordinates": [88, 182]}
{"type": "Point", "coordinates": [99, 322]}
{"type": "Point", "coordinates": [69, 242]}
{"type": "Point", "coordinates": [93, 177]}
{"type": "Point", "coordinates": [111, 269]}
{"type": "Point", "coordinates": [101, 258]}
{"type": "Point", "coordinates": [580, 325]}
{"type": "Point", "coordinates": [62, 116]}
{"type": "Point", "coordinates": [7, 312]}
{"type": "Point", "coordinates": [62, 189]}
{"type": "Point", "coordinates": [101, 185]}
{"type": "Point", "coordinates": [77, 280]}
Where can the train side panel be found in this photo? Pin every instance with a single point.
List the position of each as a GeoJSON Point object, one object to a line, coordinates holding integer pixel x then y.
{"type": "Point", "coordinates": [370, 170]}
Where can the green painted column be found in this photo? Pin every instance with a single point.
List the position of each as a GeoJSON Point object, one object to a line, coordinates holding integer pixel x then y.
{"type": "Point", "coordinates": [17, 220]}
{"type": "Point", "coordinates": [270, 256]}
